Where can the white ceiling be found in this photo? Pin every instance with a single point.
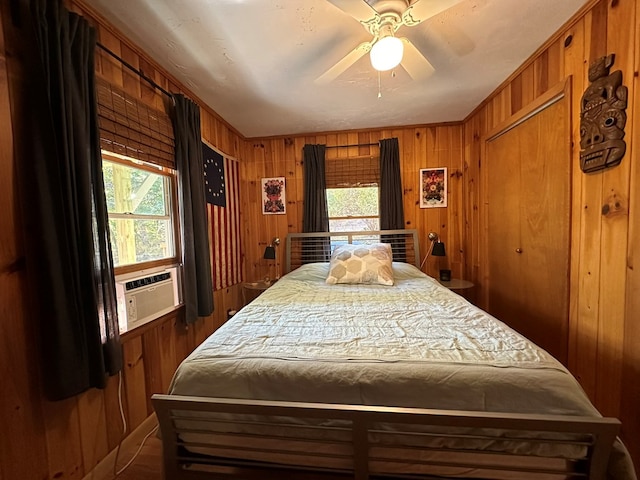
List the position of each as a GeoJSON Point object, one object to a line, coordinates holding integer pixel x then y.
{"type": "Point", "coordinates": [255, 62]}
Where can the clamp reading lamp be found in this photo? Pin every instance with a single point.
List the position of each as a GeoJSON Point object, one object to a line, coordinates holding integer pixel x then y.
{"type": "Point", "coordinates": [436, 249]}
{"type": "Point", "coordinates": [270, 253]}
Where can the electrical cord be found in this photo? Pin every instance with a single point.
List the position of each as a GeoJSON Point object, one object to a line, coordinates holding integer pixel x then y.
{"type": "Point", "coordinates": [117, 472]}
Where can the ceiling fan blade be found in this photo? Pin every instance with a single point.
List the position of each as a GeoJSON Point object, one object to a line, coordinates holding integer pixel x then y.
{"type": "Point", "coordinates": [422, 10]}
{"type": "Point", "coordinates": [416, 65]}
{"type": "Point", "coordinates": [358, 9]}
{"type": "Point", "coordinates": [352, 57]}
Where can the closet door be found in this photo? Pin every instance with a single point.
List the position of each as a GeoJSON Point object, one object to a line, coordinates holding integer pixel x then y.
{"type": "Point", "coordinates": [529, 185]}
{"type": "Point", "coordinates": [505, 287]}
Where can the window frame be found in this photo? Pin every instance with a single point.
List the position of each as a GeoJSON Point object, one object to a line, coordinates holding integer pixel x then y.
{"type": "Point", "coordinates": [354, 217]}
{"type": "Point", "coordinates": [171, 184]}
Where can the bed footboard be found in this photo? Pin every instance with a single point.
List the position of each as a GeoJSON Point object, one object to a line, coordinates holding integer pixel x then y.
{"type": "Point", "coordinates": [231, 438]}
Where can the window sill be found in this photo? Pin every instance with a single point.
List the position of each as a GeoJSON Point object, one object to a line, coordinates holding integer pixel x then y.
{"type": "Point", "coordinates": [137, 330]}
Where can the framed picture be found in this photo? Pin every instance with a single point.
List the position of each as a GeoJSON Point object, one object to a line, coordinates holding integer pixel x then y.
{"type": "Point", "coordinates": [274, 200]}
{"type": "Point", "coordinates": [433, 187]}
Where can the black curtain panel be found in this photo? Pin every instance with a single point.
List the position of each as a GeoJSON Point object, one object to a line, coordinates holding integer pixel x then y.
{"type": "Point", "coordinates": [315, 213]}
{"type": "Point", "coordinates": [197, 282]}
{"type": "Point", "coordinates": [67, 246]}
{"type": "Point", "coordinates": [391, 207]}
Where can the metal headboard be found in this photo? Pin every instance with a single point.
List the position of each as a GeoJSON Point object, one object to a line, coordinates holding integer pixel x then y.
{"type": "Point", "coordinates": [304, 248]}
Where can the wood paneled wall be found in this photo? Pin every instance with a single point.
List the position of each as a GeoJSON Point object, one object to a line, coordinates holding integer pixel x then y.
{"type": "Point", "coordinates": [604, 345]}
{"type": "Point", "coordinates": [420, 147]}
{"type": "Point", "coordinates": [604, 331]}
{"type": "Point", "coordinates": [66, 439]}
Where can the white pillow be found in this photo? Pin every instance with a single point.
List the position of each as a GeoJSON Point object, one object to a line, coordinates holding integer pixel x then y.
{"type": "Point", "coordinates": [369, 264]}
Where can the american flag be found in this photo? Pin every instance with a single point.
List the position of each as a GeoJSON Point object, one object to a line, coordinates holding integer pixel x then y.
{"type": "Point", "coordinates": [225, 230]}
{"type": "Point", "coordinates": [213, 176]}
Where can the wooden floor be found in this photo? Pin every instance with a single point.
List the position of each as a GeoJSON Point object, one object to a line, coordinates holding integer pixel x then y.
{"type": "Point", "coordinates": [146, 466]}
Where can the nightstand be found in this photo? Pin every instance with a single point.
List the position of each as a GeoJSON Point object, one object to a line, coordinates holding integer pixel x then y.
{"type": "Point", "coordinates": [251, 290]}
{"type": "Point", "coordinates": [464, 288]}
{"type": "Point", "coordinates": [456, 284]}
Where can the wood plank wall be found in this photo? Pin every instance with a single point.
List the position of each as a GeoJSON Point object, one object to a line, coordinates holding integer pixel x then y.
{"type": "Point", "coordinates": [604, 330]}
{"type": "Point", "coordinates": [66, 439]}
{"type": "Point", "coordinates": [420, 147]}
{"type": "Point", "coordinates": [604, 349]}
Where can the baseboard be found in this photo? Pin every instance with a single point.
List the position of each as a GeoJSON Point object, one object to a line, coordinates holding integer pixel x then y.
{"type": "Point", "coordinates": [104, 469]}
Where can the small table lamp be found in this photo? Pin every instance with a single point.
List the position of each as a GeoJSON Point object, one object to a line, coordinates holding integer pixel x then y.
{"type": "Point", "coordinates": [439, 251]}
{"type": "Point", "coordinates": [270, 253]}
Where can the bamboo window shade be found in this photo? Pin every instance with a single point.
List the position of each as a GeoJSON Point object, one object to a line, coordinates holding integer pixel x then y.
{"type": "Point", "coordinates": [131, 128]}
{"type": "Point", "coordinates": [352, 172]}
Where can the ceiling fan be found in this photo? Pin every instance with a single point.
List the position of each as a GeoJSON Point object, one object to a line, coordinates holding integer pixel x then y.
{"type": "Point", "coordinates": [382, 19]}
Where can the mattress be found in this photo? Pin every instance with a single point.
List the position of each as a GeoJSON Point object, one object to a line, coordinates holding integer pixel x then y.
{"type": "Point", "coordinates": [413, 344]}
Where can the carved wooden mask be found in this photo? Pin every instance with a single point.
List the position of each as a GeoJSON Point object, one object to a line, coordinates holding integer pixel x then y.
{"type": "Point", "coordinates": [602, 117]}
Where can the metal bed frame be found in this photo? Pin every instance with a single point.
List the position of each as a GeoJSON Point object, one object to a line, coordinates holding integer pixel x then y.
{"type": "Point", "coordinates": [316, 247]}
{"type": "Point", "coordinates": [363, 448]}
{"type": "Point", "coordinates": [359, 445]}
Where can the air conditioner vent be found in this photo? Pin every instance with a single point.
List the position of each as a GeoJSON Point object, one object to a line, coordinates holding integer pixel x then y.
{"type": "Point", "coordinates": [150, 280]}
{"type": "Point", "coordinates": [146, 298]}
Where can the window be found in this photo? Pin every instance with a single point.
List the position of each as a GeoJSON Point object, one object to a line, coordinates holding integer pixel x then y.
{"type": "Point", "coordinates": [140, 200]}
{"type": "Point", "coordinates": [353, 209]}
{"type": "Point", "coordinates": [352, 193]}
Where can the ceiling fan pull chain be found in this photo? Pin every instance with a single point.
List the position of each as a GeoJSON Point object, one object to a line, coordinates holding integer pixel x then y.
{"type": "Point", "coordinates": [379, 92]}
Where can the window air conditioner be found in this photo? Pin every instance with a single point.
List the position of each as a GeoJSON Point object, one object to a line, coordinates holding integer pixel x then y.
{"type": "Point", "coordinates": [142, 299]}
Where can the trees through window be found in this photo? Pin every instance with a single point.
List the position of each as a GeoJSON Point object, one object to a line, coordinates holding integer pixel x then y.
{"type": "Point", "coordinates": [140, 206]}
{"type": "Point", "coordinates": [353, 209]}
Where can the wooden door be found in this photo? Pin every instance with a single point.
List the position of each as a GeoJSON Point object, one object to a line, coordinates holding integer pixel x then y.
{"type": "Point", "coordinates": [505, 295]}
{"type": "Point", "coordinates": [529, 185]}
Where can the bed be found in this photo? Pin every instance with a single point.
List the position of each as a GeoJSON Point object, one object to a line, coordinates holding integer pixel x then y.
{"type": "Point", "coordinates": [368, 380]}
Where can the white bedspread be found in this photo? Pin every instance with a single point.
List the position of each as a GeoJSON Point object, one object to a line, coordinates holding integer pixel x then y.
{"type": "Point", "coordinates": [414, 344]}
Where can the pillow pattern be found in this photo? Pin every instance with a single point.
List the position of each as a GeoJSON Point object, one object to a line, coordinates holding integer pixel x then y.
{"type": "Point", "coordinates": [370, 264]}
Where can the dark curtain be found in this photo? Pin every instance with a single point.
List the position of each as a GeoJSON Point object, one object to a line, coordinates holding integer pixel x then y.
{"type": "Point", "coordinates": [315, 213]}
{"type": "Point", "coordinates": [67, 244]}
{"type": "Point", "coordinates": [197, 282]}
{"type": "Point", "coordinates": [391, 209]}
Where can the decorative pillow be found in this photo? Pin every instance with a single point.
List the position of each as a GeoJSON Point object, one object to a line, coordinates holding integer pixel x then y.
{"type": "Point", "coordinates": [369, 264]}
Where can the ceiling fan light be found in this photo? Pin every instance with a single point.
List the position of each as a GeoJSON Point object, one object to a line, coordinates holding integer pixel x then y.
{"type": "Point", "coordinates": [386, 53]}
